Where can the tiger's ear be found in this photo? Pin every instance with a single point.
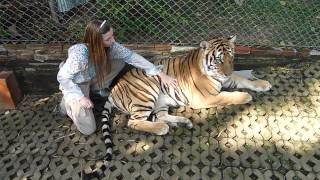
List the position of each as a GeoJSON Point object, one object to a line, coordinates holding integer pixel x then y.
{"type": "Point", "coordinates": [204, 45]}
{"type": "Point", "coordinates": [232, 39]}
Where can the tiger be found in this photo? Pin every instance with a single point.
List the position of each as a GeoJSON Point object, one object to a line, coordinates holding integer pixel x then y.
{"type": "Point", "coordinates": [200, 76]}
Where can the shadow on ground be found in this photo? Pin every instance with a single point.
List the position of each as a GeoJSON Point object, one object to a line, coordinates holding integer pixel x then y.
{"type": "Point", "coordinates": [273, 137]}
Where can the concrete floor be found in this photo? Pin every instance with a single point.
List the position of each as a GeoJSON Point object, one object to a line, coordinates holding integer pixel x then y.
{"type": "Point", "coordinates": [276, 136]}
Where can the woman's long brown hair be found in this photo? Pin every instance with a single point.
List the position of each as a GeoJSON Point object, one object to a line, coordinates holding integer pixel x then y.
{"type": "Point", "coordinates": [97, 51]}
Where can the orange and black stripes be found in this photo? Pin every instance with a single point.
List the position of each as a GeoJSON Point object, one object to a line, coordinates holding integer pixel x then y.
{"type": "Point", "coordinates": [139, 95]}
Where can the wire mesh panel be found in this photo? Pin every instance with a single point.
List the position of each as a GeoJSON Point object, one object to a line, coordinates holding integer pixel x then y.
{"type": "Point", "coordinates": [255, 22]}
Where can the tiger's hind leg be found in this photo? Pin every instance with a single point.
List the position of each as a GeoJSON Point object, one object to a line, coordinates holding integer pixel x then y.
{"type": "Point", "coordinates": [161, 114]}
{"type": "Point", "coordinates": [140, 123]}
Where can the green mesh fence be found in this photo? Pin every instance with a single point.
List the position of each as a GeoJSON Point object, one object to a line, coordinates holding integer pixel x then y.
{"type": "Point", "coordinates": [255, 22]}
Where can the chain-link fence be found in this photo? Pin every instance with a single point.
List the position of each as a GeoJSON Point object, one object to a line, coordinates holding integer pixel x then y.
{"type": "Point", "coordinates": [255, 22]}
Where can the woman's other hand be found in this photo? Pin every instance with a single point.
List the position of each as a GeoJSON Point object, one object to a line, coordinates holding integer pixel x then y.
{"type": "Point", "coordinates": [167, 80]}
{"type": "Point", "coordinates": [85, 102]}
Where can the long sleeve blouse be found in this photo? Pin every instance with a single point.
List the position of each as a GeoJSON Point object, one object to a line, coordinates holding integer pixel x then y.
{"type": "Point", "coordinates": [78, 69]}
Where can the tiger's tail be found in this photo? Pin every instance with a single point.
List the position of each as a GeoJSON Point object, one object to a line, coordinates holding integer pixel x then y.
{"type": "Point", "coordinates": [106, 116]}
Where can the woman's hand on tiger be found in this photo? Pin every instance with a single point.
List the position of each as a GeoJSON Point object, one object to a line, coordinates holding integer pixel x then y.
{"type": "Point", "coordinates": [167, 80]}
{"type": "Point", "coordinates": [85, 102]}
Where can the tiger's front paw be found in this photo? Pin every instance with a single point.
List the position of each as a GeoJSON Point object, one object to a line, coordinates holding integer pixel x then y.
{"type": "Point", "coordinates": [261, 85]}
{"type": "Point", "coordinates": [162, 128]}
{"type": "Point", "coordinates": [241, 97]}
{"type": "Point", "coordinates": [189, 124]}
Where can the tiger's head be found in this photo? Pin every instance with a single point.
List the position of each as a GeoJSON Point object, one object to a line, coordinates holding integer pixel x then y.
{"type": "Point", "coordinates": [218, 58]}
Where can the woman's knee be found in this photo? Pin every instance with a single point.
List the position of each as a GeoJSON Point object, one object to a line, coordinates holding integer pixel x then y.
{"type": "Point", "coordinates": [86, 124]}
{"type": "Point", "coordinates": [87, 130]}
{"type": "Point", "coordinates": [83, 118]}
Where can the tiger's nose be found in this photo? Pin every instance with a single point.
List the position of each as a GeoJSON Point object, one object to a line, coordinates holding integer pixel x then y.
{"type": "Point", "coordinates": [228, 69]}
{"type": "Point", "coordinates": [228, 72]}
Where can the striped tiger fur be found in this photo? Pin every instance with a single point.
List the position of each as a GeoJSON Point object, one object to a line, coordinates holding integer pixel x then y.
{"type": "Point", "coordinates": [200, 77]}
{"type": "Point", "coordinates": [106, 133]}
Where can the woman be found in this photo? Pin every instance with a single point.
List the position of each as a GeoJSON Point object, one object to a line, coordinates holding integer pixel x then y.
{"type": "Point", "coordinates": [96, 62]}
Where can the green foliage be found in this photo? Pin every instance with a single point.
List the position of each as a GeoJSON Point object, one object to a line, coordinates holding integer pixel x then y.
{"type": "Point", "coordinates": [4, 33]}
{"type": "Point", "coordinates": [264, 22]}
{"type": "Point", "coordinates": [255, 22]}
{"type": "Point", "coordinates": [143, 17]}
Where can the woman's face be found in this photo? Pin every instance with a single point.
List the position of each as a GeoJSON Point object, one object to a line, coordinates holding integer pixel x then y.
{"type": "Point", "coordinates": [108, 38]}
